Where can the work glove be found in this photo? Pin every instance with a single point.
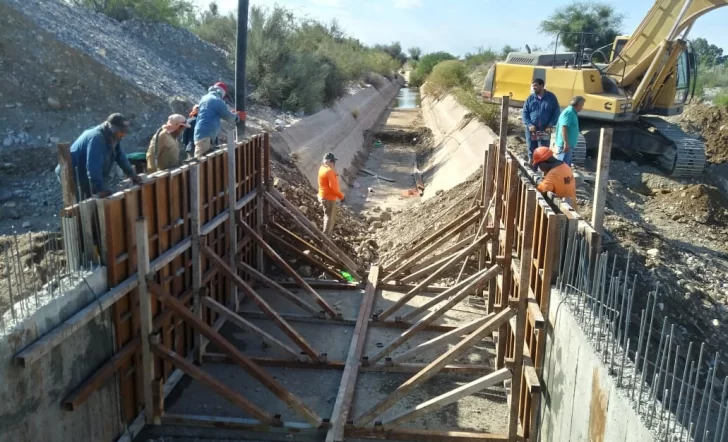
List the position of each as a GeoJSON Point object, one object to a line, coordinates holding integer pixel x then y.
{"type": "Point", "coordinates": [241, 115]}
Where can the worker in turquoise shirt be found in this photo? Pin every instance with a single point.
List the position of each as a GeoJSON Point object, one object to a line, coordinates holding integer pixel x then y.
{"type": "Point", "coordinates": [567, 130]}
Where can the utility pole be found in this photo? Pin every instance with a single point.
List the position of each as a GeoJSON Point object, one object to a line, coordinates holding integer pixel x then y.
{"type": "Point", "coordinates": [240, 52]}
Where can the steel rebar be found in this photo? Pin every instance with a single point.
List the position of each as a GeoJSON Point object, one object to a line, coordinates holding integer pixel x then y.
{"type": "Point", "coordinates": [640, 342]}
{"type": "Point", "coordinates": [697, 381]}
{"type": "Point", "coordinates": [688, 362]}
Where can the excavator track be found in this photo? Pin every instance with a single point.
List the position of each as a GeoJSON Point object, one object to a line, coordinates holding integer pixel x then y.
{"type": "Point", "coordinates": [686, 156]}
{"type": "Point", "coordinates": [579, 156]}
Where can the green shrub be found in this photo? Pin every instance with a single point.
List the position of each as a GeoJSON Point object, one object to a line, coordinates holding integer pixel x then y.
{"type": "Point", "coordinates": [425, 65]}
{"type": "Point", "coordinates": [711, 78]}
{"type": "Point", "coordinates": [447, 75]}
{"type": "Point", "coordinates": [481, 57]}
{"type": "Point", "coordinates": [297, 64]}
{"type": "Point", "coordinates": [721, 100]}
{"type": "Point", "coordinates": [486, 113]}
{"type": "Point", "coordinates": [174, 12]}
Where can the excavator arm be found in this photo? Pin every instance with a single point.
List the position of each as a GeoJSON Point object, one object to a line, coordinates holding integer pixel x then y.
{"type": "Point", "coordinates": [650, 55]}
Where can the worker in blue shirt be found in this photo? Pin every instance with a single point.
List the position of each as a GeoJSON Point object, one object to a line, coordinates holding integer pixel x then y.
{"type": "Point", "coordinates": [567, 130]}
{"type": "Point", "coordinates": [93, 155]}
{"type": "Point", "coordinates": [540, 114]}
{"type": "Point", "coordinates": [212, 109]}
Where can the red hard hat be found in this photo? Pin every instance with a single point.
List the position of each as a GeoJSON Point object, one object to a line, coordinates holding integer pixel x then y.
{"type": "Point", "coordinates": [222, 86]}
{"type": "Point", "coordinates": [541, 154]}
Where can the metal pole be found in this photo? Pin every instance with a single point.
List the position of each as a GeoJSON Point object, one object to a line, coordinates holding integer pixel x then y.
{"type": "Point", "coordinates": [240, 53]}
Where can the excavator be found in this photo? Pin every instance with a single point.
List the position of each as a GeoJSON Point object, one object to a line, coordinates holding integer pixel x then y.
{"type": "Point", "coordinates": [628, 85]}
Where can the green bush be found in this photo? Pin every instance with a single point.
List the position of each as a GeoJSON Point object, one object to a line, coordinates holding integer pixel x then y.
{"type": "Point", "coordinates": [721, 100]}
{"type": "Point", "coordinates": [174, 12]}
{"type": "Point", "coordinates": [446, 76]}
{"type": "Point", "coordinates": [425, 65]}
{"type": "Point", "coordinates": [486, 113]}
{"type": "Point", "coordinates": [711, 78]}
{"type": "Point", "coordinates": [298, 64]}
{"type": "Point", "coordinates": [481, 57]}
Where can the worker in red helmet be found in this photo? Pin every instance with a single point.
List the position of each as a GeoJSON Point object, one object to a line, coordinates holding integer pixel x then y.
{"type": "Point", "coordinates": [222, 86]}
{"type": "Point", "coordinates": [558, 177]}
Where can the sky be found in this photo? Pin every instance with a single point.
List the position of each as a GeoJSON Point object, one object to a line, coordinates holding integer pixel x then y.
{"type": "Point", "coordinates": [461, 26]}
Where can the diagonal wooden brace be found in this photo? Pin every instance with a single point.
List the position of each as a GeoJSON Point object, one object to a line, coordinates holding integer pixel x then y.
{"type": "Point", "coordinates": [284, 265]}
{"type": "Point", "coordinates": [223, 390]}
{"type": "Point", "coordinates": [445, 399]}
{"type": "Point", "coordinates": [267, 309]}
{"type": "Point", "coordinates": [473, 283]}
{"type": "Point", "coordinates": [230, 350]}
{"type": "Point", "coordinates": [443, 339]}
{"type": "Point", "coordinates": [434, 367]}
{"type": "Point", "coordinates": [246, 325]}
{"type": "Point", "coordinates": [280, 289]}
{"type": "Point", "coordinates": [301, 255]}
{"type": "Point", "coordinates": [306, 244]}
{"type": "Point", "coordinates": [463, 254]}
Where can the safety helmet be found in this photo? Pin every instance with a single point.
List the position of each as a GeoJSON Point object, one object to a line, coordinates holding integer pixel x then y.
{"type": "Point", "coordinates": [541, 154]}
{"type": "Point", "coordinates": [222, 86]}
{"type": "Point", "coordinates": [330, 157]}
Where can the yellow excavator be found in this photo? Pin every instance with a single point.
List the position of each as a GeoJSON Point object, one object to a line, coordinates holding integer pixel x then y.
{"type": "Point", "coordinates": [627, 85]}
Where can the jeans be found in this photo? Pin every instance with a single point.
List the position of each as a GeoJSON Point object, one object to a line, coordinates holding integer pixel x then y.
{"type": "Point", "coordinates": [565, 156]}
{"type": "Point", "coordinates": [533, 144]}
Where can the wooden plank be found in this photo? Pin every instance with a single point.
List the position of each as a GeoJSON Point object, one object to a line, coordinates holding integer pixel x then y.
{"type": "Point", "coordinates": [473, 283]}
{"type": "Point", "coordinates": [300, 254]}
{"type": "Point", "coordinates": [448, 398]}
{"type": "Point", "coordinates": [433, 275]}
{"type": "Point", "coordinates": [444, 339]}
{"type": "Point", "coordinates": [411, 434]}
{"type": "Point", "coordinates": [196, 261]}
{"type": "Point", "coordinates": [209, 426]}
{"type": "Point", "coordinates": [290, 296]}
{"type": "Point", "coordinates": [306, 244]}
{"type": "Point", "coordinates": [600, 190]}
{"type": "Point", "coordinates": [262, 304]}
{"type": "Point", "coordinates": [145, 306]}
{"type": "Point", "coordinates": [253, 369]}
{"type": "Point", "coordinates": [86, 211]}
{"type": "Point", "coordinates": [287, 268]}
{"type": "Point", "coordinates": [213, 384]}
{"type": "Point", "coordinates": [248, 326]}
{"type": "Point", "coordinates": [523, 287]}
{"type": "Point", "coordinates": [434, 367]}
{"type": "Point", "coordinates": [435, 241]}
{"type": "Point", "coordinates": [232, 230]}
{"type": "Point", "coordinates": [68, 181]}
{"type": "Point", "coordinates": [258, 156]}
{"type": "Point", "coordinates": [345, 395]}
{"type": "Point", "coordinates": [333, 248]}
{"type": "Point", "coordinates": [446, 252]}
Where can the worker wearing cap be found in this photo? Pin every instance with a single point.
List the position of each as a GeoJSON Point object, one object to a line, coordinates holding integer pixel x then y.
{"type": "Point", "coordinates": [163, 152]}
{"type": "Point", "coordinates": [558, 177]}
{"type": "Point", "coordinates": [540, 114]}
{"type": "Point", "coordinates": [329, 191]}
{"type": "Point", "coordinates": [93, 155]}
{"type": "Point", "coordinates": [567, 130]}
{"type": "Point", "coordinates": [212, 110]}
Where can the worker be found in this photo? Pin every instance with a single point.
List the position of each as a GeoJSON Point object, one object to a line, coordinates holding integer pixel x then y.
{"type": "Point", "coordinates": [212, 110]}
{"type": "Point", "coordinates": [540, 115]}
{"type": "Point", "coordinates": [329, 191]}
{"type": "Point", "coordinates": [188, 136]}
{"type": "Point", "coordinates": [558, 177]}
{"type": "Point", "coordinates": [163, 152]}
{"type": "Point", "coordinates": [567, 130]}
{"type": "Point", "coordinates": [93, 155]}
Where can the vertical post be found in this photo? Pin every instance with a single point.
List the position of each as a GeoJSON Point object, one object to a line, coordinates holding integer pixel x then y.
{"type": "Point", "coordinates": [266, 173]}
{"type": "Point", "coordinates": [600, 192]}
{"type": "Point", "coordinates": [260, 200]}
{"type": "Point", "coordinates": [523, 288]}
{"type": "Point", "coordinates": [232, 224]}
{"type": "Point", "coordinates": [68, 184]}
{"type": "Point", "coordinates": [145, 318]}
{"type": "Point", "coordinates": [196, 256]}
{"type": "Point", "coordinates": [240, 53]}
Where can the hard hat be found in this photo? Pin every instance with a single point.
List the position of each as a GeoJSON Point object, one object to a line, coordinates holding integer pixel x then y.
{"type": "Point", "coordinates": [330, 157]}
{"type": "Point", "coordinates": [541, 154]}
{"type": "Point", "coordinates": [222, 86]}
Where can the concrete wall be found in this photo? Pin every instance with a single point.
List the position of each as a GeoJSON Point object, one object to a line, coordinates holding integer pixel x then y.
{"type": "Point", "coordinates": [30, 397]}
{"type": "Point", "coordinates": [581, 401]}
{"type": "Point", "coordinates": [460, 140]}
{"type": "Point", "coordinates": [336, 129]}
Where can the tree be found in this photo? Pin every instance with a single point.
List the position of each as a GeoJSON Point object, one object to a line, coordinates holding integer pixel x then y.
{"type": "Point", "coordinates": [415, 53]}
{"type": "Point", "coordinates": [174, 12]}
{"type": "Point", "coordinates": [597, 23]}
{"type": "Point", "coordinates": [507, 49]}
{"type": "Point", "coordinates": [708, 54]}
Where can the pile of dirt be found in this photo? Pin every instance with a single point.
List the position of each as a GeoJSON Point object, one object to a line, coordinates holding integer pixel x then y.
{"type": "Point", "coordinates": [350, 231]}
{"type": "Point", "coordinates": [705, 204]}
{"type": "Point", "coordinates": [410, 226]}
{"type": "Point", "coordinates": [711, 122]}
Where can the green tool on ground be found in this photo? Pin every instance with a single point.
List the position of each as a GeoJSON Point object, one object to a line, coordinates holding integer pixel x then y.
{"type": "Point", "coordinates": [377, 143]}
{"type": "Point", "coordinates": [347, 276]}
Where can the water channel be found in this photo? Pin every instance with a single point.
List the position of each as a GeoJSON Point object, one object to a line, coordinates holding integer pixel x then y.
{"type": "Point", "coordinates": [407, 98]}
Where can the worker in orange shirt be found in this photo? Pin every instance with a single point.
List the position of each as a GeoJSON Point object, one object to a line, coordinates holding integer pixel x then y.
{"type": "Point", "coordinates": [558, 177]}
{"type": "Point", "coordinates": [329, 191]}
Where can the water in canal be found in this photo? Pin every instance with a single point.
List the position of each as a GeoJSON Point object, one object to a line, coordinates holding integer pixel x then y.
{"type": "Point", "coordinates": [407, 98]}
